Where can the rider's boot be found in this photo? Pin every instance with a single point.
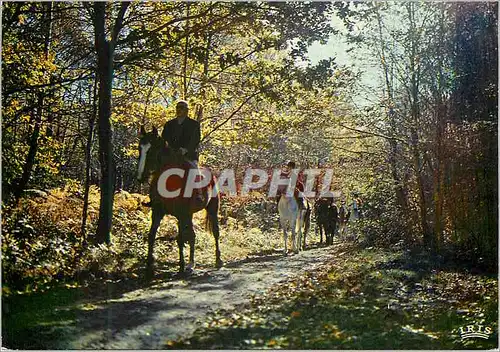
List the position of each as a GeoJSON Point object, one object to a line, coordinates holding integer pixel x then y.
{"type": "Point", "coordinates": [300, 202]}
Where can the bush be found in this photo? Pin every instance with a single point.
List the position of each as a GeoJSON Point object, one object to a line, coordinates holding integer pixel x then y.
{"type": "Point", "coordinates": [42, 242]}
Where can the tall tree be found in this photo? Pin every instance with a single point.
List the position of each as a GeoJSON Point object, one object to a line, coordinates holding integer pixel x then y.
{"type": "Point", "coordinates": [105, 49]}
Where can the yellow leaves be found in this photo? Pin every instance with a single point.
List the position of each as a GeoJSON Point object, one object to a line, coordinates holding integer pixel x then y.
{"type": "Point", "coordinates": [28, 65]}
{"type": "Point", "coordinates": [6, 290]}
{"type": "Point", "coordinates": [88, 306]}
{"type": "Point", "coordinates": [125, 201]}
{"type": "Point", "coordinates": [10, 108]}
{"type": "Point", "coordinates": [170, 343]}
{"type": "Point", "coordinates": [272, 343]}
{"type": "Point", "coordinates": [131, 152]}
{"type": "Point", "coordinates": [132, 113]}
{"type": "Point", "coordinates": [333, 331]}
{"type": "Point", "coordinates": [50, 66]}
{"type": "Point", "coordinates": [228, 143]}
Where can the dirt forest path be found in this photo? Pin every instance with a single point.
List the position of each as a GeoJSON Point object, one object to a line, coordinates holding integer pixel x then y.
{"type": "Point", "coordinates": [147, 318]}
{"type": "Point", "coordinates": [341, 296]}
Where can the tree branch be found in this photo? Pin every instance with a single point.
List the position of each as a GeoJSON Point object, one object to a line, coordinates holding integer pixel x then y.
{"type": "Point", "coordinates": [144, 54]}
{"type": "Point", "coordinates": [373, 134]}
{"type": "Point", "coordinates": [64, 81]}
{"type": "Point", "coordinates": [119, 22]}
{"type": "Point", "coordinates": [163, 26]}
{"type": "Point", "coordinates": [231, 115]}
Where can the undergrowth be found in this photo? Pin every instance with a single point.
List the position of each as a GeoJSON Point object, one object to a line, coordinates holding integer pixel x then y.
{"type": "Point", "coordinates": [42, 244]}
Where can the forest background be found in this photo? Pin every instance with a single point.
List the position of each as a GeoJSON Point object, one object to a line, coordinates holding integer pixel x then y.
{"type": "Point", "coordinates": [410, 123]}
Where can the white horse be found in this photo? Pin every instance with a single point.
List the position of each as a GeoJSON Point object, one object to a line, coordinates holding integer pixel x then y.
{"type": "Point", "coordinates": [292, 218]}
{"type": "Point", "coordinates": [343, 219]}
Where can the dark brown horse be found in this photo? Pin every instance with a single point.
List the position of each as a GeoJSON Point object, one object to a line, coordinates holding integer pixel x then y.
{"type": "Point", "coordinates": [154, 158]}
{"type": "Point", "coordinates": [326, 213]}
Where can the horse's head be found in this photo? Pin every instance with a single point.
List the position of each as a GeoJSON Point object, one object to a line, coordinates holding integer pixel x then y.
{"type": "Point", "coordinates": [150, 144]}
{"type": "Point", "coordinates": [155, 153]}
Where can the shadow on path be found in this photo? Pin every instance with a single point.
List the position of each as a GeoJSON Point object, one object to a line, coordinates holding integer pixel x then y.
{"type": "Point", "coordinates": [132, 314]}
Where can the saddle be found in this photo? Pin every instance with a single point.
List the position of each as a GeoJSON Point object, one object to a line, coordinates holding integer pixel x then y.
{"type": "Point", "coordinates": [299, 200]}
{"type": "Point", "coordinates": [199, 196]}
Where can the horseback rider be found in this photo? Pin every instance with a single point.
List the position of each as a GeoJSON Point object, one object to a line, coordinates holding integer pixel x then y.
{"type": "Point", "coordinates": [183, 133]}
{"type": "Point", "coordinates": [299, 187]}
{"type": "Point", "coordinates": [356, 205]}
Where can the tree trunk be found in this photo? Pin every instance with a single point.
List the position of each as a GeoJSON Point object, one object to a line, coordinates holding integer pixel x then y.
{"type": "Point", "coordinates": [105, 58]}
{"type": "Point", "coordinates": [36, 117]}
{"type": "Point", "coordinates": [105, 135]}
{"type": "Point", "coordinates": [400, 191]}
{"type": "Point", "coordinates": [415, 114]}
{"type": "Point", "coordinates": [185, 58]}
{"type": "Point", "coordinates": [88, 156]}
{"type": "Point", "coordinates": [440, 121]}
{"type": "Point", "coordinates": [417, 161]}
{"type": "Point", "coordinates": [199, 107]}
{"type": "Point", "coordinates": [105, 53]}
{"type": "Point", "coordinates": [438, 183]}
{"type": "Point", "coordinates": [401, 198]}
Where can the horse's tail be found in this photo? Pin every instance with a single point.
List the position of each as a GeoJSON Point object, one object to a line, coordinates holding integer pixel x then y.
{"type": "Point", "coordinates": [211, 218]}
{"type": "Point", "coordinates": [307, 219]}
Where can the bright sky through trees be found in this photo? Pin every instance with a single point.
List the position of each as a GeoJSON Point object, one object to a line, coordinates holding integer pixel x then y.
{"type": "Point", "coordinates": [346, 54]}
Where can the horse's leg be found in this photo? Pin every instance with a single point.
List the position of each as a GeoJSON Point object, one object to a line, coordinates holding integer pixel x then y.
{"type": "Point", "coordinates": [191, 238]}
{"type": "Point", "coordinates": [299, 238]}
{"type": "Point", "coordinates": [304, 234]}
{"type": "Point", "coordinates": [212, 225]}
{"type": "Point", "coordinates": [191, 263]}
{"type": "Point", "coordinates": [218, 261]}
{"type": "Point", "coordinates": [285, 250]}
{"type": "Point", "coordinates": [180, 243]}
{"type": "Point", "coordinates": [316, 228]}
{"type": "Point", "coordinates": [155, 223]}
{"type": "Point", "coordinates": [294, 244]}
{"type": "Point", "coordinates": [300, 223]}
{"type": "Point", "coordinates": [334, 229]}
{"type": "Point", "coordinates": [320, 233]}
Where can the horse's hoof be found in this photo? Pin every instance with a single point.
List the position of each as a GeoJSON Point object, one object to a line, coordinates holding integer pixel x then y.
{"type": "Point", "coordinates": [190, 267]}
{"type": "Point", "coordinates": [219, 263]}
{"type": "Point", "coordinates": [285, 254]}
